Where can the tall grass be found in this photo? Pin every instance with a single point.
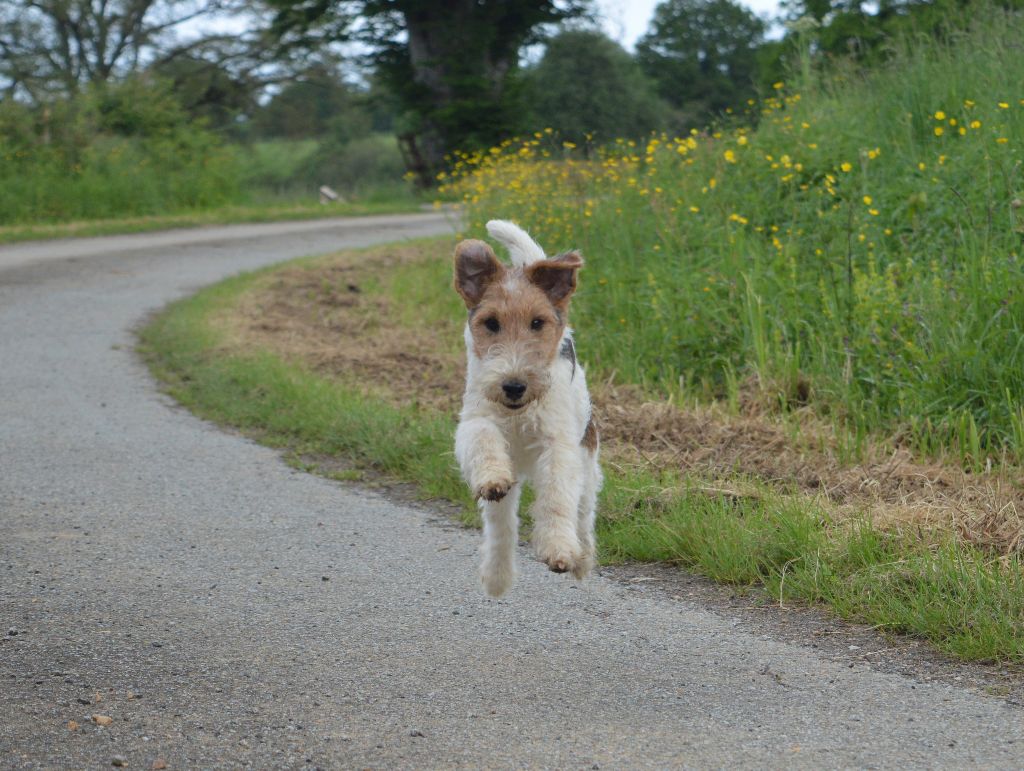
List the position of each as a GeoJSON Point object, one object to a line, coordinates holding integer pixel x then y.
{"type": "Point", "coordinates": [116, 151]}
{"type": "Point", "coordinates": [863, 240]}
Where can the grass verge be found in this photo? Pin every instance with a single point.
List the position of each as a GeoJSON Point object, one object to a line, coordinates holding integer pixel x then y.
{"type": "Point", "coordinates": [966, 601]}
{"type": "Point", "coordinates": [224, 215]}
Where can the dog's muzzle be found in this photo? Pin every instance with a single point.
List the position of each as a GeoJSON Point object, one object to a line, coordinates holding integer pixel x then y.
{"type": "Point", "coordinates": [514, 391]}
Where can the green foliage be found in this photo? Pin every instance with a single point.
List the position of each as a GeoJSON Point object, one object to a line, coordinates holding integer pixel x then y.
{"type": "Point", "coordinates": [949, 594]}
{"type": "Point", "coordinates": [357, 167]}
{"type": "Point", "coordinates": [119, 150]}
{"type": "Point", "coordinates": [865, 239]}
{"type": "Point", "coordinates": [449, 66]}
{"type": "Point", "coordinates": [317, 103]}
{"type": "Point", "coordinates": [586, 87]}
{"type": "Point", "coordinates": [276, 166]}
{"type": "Point", "coordinates": [209, 92]}
{"type": "Point", "coordinates": [703, 56]}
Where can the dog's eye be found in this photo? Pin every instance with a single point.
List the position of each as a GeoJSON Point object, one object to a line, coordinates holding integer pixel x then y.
{"type": "Point", "coordinates": [536, 324]}
{"type": "Point", "coordinates": [492, 324]}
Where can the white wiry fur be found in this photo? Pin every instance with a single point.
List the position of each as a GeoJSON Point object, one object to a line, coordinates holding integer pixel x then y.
{"type": "Point", "coordinates": [521, 248]}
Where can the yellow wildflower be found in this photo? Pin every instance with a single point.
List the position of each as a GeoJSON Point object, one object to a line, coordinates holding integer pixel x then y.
{"type": "Point", "coordinates": [845, 166]}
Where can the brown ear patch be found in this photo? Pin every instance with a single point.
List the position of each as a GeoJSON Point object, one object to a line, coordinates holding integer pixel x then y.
{"type": "Point", "coordinates": [555, 277]}
{"type": "Point", "coordinates": [476, 268]}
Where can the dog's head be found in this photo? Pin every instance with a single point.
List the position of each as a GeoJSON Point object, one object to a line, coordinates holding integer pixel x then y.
{"type": "Point", "coordinates": [517, 317]}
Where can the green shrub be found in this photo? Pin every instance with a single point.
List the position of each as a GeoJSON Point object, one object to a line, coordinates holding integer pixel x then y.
{"type": "Point", "coordinates": [117, 151]}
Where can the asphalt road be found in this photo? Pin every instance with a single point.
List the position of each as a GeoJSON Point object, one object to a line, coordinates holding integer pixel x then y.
{"type": "Point", "coordinates": [229, 611]}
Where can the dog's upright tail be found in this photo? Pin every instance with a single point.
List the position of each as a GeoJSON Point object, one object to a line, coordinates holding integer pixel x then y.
{"type": "Point", "coordinates": [521, 248]}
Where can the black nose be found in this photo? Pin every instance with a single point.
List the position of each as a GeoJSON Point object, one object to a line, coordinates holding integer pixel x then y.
{"type": "Point", "coordinates": [514, 389]}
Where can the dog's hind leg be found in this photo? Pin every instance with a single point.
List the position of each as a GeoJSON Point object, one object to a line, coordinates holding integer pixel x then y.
{"type": "Point", "coordinates": [501, 535]}
{"type": "Point", "coordinates": [586, 514]}
{"type": "Point", "coordinates": [559, 484]}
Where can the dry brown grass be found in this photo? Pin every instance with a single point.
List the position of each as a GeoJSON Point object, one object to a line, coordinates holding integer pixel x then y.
{"type": "Point", "coordinates": [322, 315]}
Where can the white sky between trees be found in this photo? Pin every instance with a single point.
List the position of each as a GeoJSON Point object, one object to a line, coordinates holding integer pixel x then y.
{"type": "Point", "coordinates": [626, 20]}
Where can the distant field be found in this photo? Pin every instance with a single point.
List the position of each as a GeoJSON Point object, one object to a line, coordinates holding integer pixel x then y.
{"type": "Point", "coordinates": [123, 184]}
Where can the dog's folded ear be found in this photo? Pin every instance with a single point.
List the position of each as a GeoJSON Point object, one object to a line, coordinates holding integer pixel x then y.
{"type": "Point", "coordinates": [476, 267]}
{"type": "Point", "coordinates": [556, 277]}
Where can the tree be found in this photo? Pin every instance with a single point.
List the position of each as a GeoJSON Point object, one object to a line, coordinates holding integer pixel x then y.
{"type": "Point", "coordinates": [448, 63]}
{"type": "Point", "coordinates": [316, 102]}
{"type": "Point", "coordinates": [208, 90]}
{"type": "Point", "coordinates": [55, 47]}
{"type": "Point", "coordinates": [586, 84]}
{"type": "Point", "coordinates": [703, 55]}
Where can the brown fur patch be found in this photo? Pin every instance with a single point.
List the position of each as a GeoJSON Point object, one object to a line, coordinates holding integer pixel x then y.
{"type": "Point", "coordinates": [590, 436]}
{"type": "Point", "coordinates": [514, 304]}
{"type": "Point", "coordinates": [556, 277]}
{"type": "Point", "coordinates": [476, 269]}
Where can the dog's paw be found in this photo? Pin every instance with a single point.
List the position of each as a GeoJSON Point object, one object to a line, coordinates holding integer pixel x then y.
{"type": "Point", "coordinates": [497, 579]}
{"type": "Point", "coordinates": [494, 489]}
{"type": "Point", "coordinates": [583, 566]}
{"type": "Point", "coordinates": [562, 559]}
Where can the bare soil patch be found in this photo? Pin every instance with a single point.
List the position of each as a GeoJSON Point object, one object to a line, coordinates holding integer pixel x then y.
{"type": "Point", "coordinates": [331, 316]}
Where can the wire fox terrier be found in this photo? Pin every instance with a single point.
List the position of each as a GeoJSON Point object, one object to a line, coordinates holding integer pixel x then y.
{"type": "Point", "coordinates": [526, 410]}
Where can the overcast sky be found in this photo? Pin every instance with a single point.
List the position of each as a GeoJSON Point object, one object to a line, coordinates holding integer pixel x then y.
{"type": "Point", "coordinates": [626, 20]}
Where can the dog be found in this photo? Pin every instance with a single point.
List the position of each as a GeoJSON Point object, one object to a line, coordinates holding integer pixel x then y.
{"type": "Point", "coordinates": [526, 413]}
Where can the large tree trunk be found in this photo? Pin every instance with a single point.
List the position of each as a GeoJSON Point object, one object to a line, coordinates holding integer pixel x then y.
{"type": "Point", "coordinates": [458, 58]}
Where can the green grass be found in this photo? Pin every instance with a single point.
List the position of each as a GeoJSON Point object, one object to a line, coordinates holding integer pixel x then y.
{"type": "Point", "coordinates": [273, 212]}
{"type": "Point", "coordinates": [841, 243]}
{"type": "Point", "coordinates": [965, 604]}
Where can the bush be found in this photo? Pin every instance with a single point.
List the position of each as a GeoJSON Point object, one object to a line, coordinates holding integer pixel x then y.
{"type": "Point", "coordinates": [119, 150]}
{"type": "Point", "coordinates": [357, 168]}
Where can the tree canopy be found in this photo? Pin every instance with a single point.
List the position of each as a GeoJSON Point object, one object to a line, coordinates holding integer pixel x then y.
{"type": "Point", "coordinates": [449, 65]}
{"type": "Point", "coordinates": [702, 54]}
{"type": "Point", "coordinates": [588, 86]}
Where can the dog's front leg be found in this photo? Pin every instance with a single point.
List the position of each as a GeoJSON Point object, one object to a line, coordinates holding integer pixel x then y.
{"type": "Point", "coordinates": [501, 535]}
{"type": "Point", "coordinates": [559, 482]}
{"type": "Point", "coordinates": [483, 456]}
{"type": "Point", "coordinates": [486, 466]}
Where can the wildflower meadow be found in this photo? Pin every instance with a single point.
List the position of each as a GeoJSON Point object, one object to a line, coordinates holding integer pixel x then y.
{"type": "Point", "coordinates": [850, 242]}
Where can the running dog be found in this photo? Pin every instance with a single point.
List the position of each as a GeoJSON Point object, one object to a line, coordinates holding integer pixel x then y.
{"type": "Point", "coordinates": [526, 413]}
